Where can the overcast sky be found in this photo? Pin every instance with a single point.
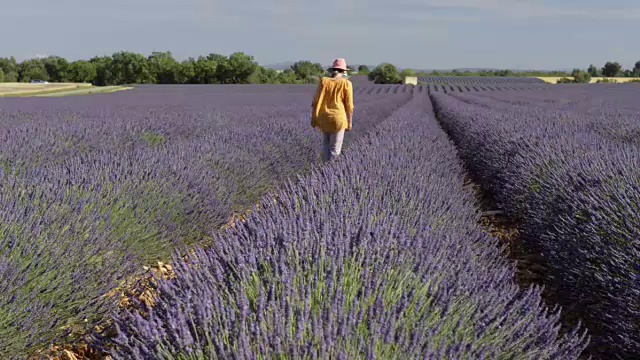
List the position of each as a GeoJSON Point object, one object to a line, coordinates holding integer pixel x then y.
{"type": "Point", "coordinates": [518, 34]}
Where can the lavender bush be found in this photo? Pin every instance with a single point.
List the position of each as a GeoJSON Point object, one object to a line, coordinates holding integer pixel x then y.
{"type": "Point", "coordinates": [599, 100]}
{"type": "Point", "coordinates": [572, 178]}
{"type": "Point", "coordinates": [377, 255]}
{"type": "Point", "coordinates": [95, 187]}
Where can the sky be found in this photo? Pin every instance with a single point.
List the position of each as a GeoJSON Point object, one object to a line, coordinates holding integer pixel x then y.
{"type": "Point", "coordinates": [421, 34]}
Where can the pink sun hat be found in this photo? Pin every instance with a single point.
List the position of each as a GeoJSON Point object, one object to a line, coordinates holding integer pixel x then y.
{"type": "Point", "coordinates": [340, 64]}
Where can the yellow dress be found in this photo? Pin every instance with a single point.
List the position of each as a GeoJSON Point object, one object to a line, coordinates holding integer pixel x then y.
{"type": "Point", "coordinates": [334, 98]}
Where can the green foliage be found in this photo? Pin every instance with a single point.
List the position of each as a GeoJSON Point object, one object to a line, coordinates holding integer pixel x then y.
{"type": "Point", "coordinates": [82, 71]}
{"type": "Point", "coordinates": [237, 69]}
{"type": "Point", "coordinates": [1, 75]}
{"type": "Point", "coordinates": [606, 81]}
{"type": "Point", "coordinates": [264, 76]}
{"type": "Point", "coordinates": [9, 67]}
{"type": "Point", "coordinates": [153, 139]}
{"type": "Point", "coordinates": [306, 71]}
{"type": "Point", "coordinates": [565, 80]}
{"type": "Point", "coordinates": [205, 70]}
{"type": "Point", "coordinates": [130, 68]}
{"type": "Point", "coordinates": [385, 73]}
{"type": "Point", "coordinates": [57, 290]}
{"type": "Point", "coordinates": [165, 69]}
{"type": "Point", "coordinates": [103, 70]}
{"type": "Point", "coordinates": [32, 69]}
{"type": "Point", "coordinates": [287, 77]}
{"type": "Point", "coordinates": [363, 69]}
{"type": "Point", "coordinates": [611, 69]}
{"type": "Point", "coordinates": [407, 72]}
{"type": "Point", "coordinates": [57, 68]}
{"type": "Point", "coordinates": [581, 77]}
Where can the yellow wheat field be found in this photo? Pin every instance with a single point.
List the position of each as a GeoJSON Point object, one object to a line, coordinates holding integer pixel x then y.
{"type": "Point", "coordinates": [554, 79]}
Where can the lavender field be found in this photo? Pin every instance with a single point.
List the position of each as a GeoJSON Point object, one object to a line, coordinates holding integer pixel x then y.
{"type": "Point", "coordinates": [379, 254]}
{"type": "Point", "coordinates": [480, 80]}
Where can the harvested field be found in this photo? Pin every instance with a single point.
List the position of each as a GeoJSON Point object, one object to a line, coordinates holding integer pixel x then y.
{"type": "Point", "coordinates": [14, 89]}
{"type": "Point", "coordinates": [54, 89]}
{"type": "Point", "coordinates": [84, 91]}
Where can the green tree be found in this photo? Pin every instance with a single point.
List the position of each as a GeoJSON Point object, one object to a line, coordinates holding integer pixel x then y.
{"type": "Point", "coordinates": [581, 77]}
{"type": "Point", "coordinates": [611, 69]}
{"type": "Point", "coordinates": [287, 77]}
{"type": "Point", "coordinates": [32, 69]}
{"type": "Point", "coordinates": [9, 67]}
{"type": "Point", "coordinates": [306, 71]}
{"type": "Point", "coordinates": [205, 71]}
{"type": "Point", "coordinates": [188, 72]}
{"type": "Point", "coordinates": [103, 67]}
{"type": "Point", "coordinates": [237, 69]}
{"type": "Point", "coordinates": [407, 72]}
{"type": "Point", "coordinates": [1, 76]}
{"type": "Point", "coordinates": [82, 71]}
{"type": "Point", "coordinates": [57, 68]}
{"type": "Point", "coordinates": [264, 76]}
{"type": "Point", "coordinates": [164, 68]}
{"type": "Point", "coordinates": [130, 68]}
{"type": "Point", "coordinates": [593, 71]}
{"type": "Point", "coordinates": [636, 69]}
{"type": "Point", "coordinates": [363, 69]}
{"type": "Point", "coordinates": [385, 73]}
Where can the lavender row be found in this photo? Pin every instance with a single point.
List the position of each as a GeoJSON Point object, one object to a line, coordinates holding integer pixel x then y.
{"type": "Point", "coordinates": [377, 255]}
{"type": "Point", "coordinates": [591, 99]}
{"type": "Point", "coordinates": [610, 112]}
{"type": "Point", "coordinates": [576, 190]}
{"type": "Point", "coordinates": [41, 131]}
{"type": "Point", "coordinates": [480, 80]}
{"type": "Point", "coordinates": [93, 188]}
{"type": "Point", "coordinates": [498, 88]}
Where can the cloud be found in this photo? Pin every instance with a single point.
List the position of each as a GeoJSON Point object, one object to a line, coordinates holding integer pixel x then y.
{"type": "Point", "coordinates": [529, 8]}
{"type": "Point", "coordinates": [441, 11]}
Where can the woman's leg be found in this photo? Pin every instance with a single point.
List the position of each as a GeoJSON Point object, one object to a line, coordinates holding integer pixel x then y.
{"type": "Point", "coordinates": [326, 146]}
{"type": "Point", "coordinates": [335, 144]}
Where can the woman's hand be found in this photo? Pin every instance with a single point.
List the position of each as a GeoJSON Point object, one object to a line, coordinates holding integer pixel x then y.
{"type": "Point", "coordinates": [349, 126]}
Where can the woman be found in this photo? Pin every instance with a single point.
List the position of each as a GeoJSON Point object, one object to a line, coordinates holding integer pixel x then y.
{"type": "Point", "coordinates": [332, 109]}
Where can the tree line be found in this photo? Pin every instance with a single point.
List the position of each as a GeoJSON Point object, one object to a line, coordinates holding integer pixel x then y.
{"type": "Point", "coordinates": [238, 68]}
{"type": "Point", "coordinates": [158, 68]}
{"type": "Point", "coordinates": [389, 74]}
{"type": "Point", "coordinates": [609, 70]}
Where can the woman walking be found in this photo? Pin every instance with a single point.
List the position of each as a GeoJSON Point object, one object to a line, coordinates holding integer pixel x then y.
{"type": "Point", "coordinates": [332, 109]}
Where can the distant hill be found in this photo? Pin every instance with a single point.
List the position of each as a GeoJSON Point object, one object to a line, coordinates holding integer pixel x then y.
{"type": "Point", "coordinates": [281, 66]}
